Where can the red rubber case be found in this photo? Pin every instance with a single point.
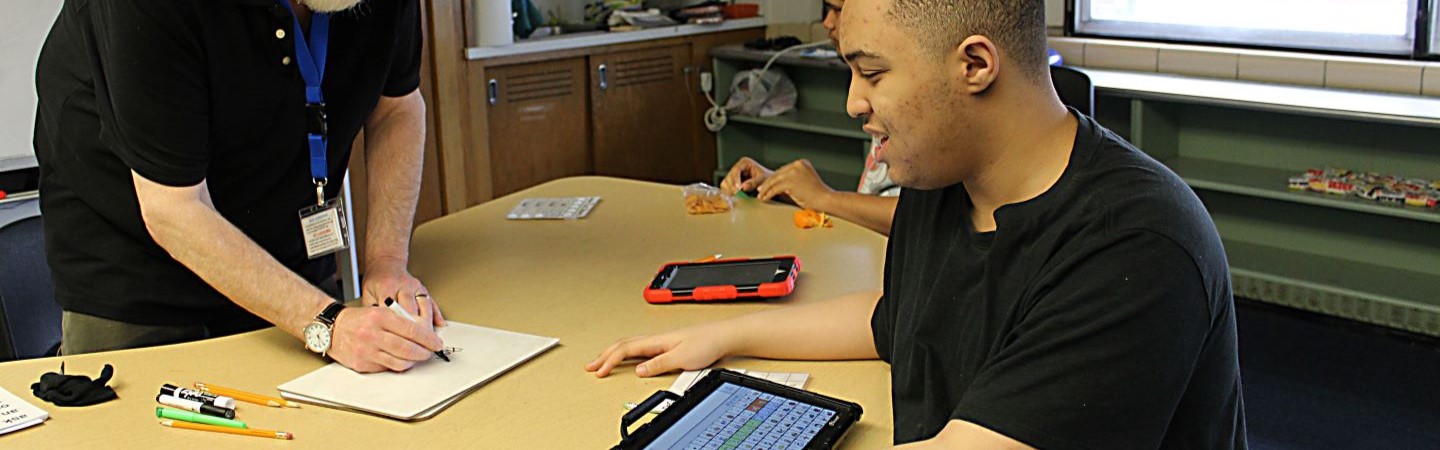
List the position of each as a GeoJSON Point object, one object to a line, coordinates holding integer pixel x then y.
{"type": "Point", "coordinates": [773, 289]}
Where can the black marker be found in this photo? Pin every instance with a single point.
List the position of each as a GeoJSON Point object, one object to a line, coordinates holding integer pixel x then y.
{"type": "Point", "coordinates": [194, 395]}
{"type": "Point", "coordinates": [194, 406]}
{"type": "Point", "coordinates": [395, 306]}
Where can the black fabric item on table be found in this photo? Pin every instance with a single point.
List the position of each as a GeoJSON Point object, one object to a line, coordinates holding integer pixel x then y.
{"type": "Point", "coordinates": [75, 390]}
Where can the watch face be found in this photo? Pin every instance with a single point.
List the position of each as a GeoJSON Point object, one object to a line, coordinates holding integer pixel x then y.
{"type": "Point", "coordinates": [317, 337]}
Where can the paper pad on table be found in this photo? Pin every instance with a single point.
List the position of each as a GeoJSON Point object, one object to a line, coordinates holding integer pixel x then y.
{"type": "Point", "coordinates": [16, 414]}
{"type": "Point", "coordinates": [427, 388]}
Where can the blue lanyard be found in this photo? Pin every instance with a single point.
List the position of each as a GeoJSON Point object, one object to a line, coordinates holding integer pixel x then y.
{"type": "Point", "coordinates": [310, 57]}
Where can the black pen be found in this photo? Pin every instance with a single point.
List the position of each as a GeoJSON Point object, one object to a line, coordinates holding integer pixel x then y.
{"type": "Point", "coordinates": [395, 306]}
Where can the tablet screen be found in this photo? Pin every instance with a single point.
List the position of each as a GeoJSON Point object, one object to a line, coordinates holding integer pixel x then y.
{"type": "Point", "coordinates": [736, 416]}
{"type": "Point", "coordinates": [744, 273]}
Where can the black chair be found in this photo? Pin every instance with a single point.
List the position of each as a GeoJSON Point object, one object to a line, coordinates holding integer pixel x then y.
{"type": "Point", "coordinates": [1075, 89]}
{"type": "Point", "coordinates": [29, 316]}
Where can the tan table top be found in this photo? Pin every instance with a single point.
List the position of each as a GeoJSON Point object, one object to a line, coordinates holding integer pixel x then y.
{"type": "Point", "coordinates": [579, 281]}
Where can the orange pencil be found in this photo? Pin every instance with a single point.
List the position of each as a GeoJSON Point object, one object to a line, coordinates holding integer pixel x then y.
{"type": "Point", "coordinates": [246, 396]}
{"type": "Point", "coordinates": [241, 431]}
{"type": "Point", "coordinates": [708, 258]}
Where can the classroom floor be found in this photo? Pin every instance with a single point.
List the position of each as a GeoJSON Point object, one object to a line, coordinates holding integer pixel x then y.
{"type": "Point", "coordinates": [1314, 382]}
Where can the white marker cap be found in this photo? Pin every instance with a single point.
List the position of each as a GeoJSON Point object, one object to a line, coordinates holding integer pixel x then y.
{"type": "Point", "coordinates": [224, 402]}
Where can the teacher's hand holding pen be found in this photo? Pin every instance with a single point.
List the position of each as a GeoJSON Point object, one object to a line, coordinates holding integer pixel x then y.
{"type": "Point", "coordinates": [388, 278]}
{"type": "Point", "coordinates": [375, 339]}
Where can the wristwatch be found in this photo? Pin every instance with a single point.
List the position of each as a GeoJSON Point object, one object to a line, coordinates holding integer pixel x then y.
{"type": "Point", "coordinates": [318, 332]}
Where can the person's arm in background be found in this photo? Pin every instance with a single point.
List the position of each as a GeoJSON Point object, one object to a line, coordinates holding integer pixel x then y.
{"type": "Point", "coordinates": [744, 176]}
{"type": "Point", "coordinates": [183, 220]}
{"type": "Point", "coordinates": [800, 182]}
{"type": "Point", "coordinates": [394, 156]}
{"type": "Point", "coordinates": [830, 330]}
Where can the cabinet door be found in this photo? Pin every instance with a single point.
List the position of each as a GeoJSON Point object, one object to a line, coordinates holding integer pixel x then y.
{"type": "Point", "coordinates": [643, 116]}
{"type": "Point", "coordinates": [538, 123]}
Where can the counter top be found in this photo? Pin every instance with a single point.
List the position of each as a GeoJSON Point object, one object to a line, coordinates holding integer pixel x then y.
{"type": "Point", "coordinates": [792, 58]}
{"type": "Point", "coordinates": [599, 38]}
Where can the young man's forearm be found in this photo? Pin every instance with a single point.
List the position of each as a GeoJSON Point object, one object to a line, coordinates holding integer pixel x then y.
{"type": "Point", "coordinates": [869, 211]}
{"type": "Point", "coordinates": [196, 235]}
{"type": "Point", "coordinates": [835, 329]}
{"type": "Point", "coordinates": [394, 160]}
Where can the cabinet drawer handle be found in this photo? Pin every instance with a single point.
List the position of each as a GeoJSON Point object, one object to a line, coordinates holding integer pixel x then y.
{"type": "Point", "coordinates": [604, 77]}
{"type": "Point", "coordinates": [494, 92]}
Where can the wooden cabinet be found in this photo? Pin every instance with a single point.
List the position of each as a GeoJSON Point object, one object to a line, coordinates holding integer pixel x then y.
{"type": "Point", "coordinates": [555, 125]}
{"type": "Point", "coordinates": [538, 123]}
{"type": "Point", "coordinates": [631, 110]}
{"type": "Point", "coordinates": [642, 115]}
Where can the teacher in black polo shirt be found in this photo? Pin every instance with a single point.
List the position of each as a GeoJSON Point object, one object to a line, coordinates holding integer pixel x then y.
{"type": "Point", "coordinates": [190, 156]}
{"type": "Point", "coordinates": [1047, 284]}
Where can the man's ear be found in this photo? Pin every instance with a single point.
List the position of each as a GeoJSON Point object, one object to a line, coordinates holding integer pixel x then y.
{"type": "Point", "coordinates": [976, 63]}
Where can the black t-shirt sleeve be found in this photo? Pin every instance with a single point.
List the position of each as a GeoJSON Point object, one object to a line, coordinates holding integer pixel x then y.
{"type": "Point", "coordinates": [404, 76]}
{"type": "Point", "coordinates": [882, 320]}
{"type": "Point", "coordinates": [1105, 353]}
{"type": "Point", "coordinates": [882, 325]}
{"type": "Point", "coordinates": [152, 83]}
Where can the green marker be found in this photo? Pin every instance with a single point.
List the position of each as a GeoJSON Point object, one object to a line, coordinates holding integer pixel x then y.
{"type": "Point", "coordinates": [167, 413]}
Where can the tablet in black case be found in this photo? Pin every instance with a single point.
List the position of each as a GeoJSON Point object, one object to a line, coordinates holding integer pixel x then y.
{"type": "Point", "coordinates": [727, 410]}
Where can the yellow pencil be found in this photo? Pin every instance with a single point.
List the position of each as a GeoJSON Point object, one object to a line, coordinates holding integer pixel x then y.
{"type": "Point", "coordinates": [246, 396]}
{"type": "Point", "coordinates": [240, 431]}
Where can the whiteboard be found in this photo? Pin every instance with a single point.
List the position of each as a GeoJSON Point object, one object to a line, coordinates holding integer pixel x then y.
{"type": "Point", "coordinates": [25, 24]}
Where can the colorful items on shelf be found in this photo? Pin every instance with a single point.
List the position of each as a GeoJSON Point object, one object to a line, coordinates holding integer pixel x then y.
{"type": "Point", "coordinates": [1382, 188]}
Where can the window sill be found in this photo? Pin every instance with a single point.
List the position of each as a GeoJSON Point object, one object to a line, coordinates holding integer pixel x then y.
{"type": "Point", "coordinates": [1415, 78]}
{"type": "Point", "coordinates": [1305, 100]}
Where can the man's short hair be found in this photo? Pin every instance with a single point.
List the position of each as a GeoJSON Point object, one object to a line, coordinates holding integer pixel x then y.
{"type": "Point", "coordinates": [1016, 26]}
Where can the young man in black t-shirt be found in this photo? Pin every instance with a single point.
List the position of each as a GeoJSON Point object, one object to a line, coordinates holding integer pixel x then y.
{"type": "Point", "coordinates": [1047, 284]}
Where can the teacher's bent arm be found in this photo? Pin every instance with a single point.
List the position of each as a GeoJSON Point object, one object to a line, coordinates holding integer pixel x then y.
{"type": "Point", "coordinates": [394, 163]}
{"type": "Point", "coordinates": [183, 220]}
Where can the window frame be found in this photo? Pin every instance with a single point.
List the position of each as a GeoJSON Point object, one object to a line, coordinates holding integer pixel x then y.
{"type": "Point", "coordinates": [1434, 27]}
{"type": "Point", "coordinates": [1084, 25]}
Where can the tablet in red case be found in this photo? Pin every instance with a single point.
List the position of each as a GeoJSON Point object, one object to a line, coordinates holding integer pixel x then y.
{"type": "Point", "coordinates": [725, 279]}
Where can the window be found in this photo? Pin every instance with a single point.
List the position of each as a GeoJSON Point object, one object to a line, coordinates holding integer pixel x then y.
{"type": "Point", "coordinates": [1435, 27]}
{"type": "Point", "coordinates": [1363, 26]}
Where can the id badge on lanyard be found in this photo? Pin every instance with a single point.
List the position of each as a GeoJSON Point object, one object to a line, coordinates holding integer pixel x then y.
{"type": "Point", "coordinates": [323, 224]}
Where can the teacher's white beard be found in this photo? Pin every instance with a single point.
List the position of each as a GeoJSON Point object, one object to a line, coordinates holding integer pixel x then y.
{"type": "Point", "coordinates": [330, 6]}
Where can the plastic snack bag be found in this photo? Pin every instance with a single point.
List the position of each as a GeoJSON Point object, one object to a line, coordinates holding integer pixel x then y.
{"type": "Point", "coordinates": [701, 198]}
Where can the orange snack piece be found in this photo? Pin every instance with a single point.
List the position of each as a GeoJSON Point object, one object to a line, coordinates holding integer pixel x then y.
{"type": "Point", "coordinates": [812, 219]}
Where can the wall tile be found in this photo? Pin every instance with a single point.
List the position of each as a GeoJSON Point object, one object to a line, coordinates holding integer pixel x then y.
{"type": "Point", "coordinates": [1121, 57]}
{"type": "Point", "coordinates": [1200, 63]}
{"type": "Point", "coordinates": [1399, 78]}
{"type": "Point", "coordinates": [1284, 70]}
{"type": "Point", "coordinates": [1073, 51]}
{"type": "Point", "coordinates": [1431, 84]}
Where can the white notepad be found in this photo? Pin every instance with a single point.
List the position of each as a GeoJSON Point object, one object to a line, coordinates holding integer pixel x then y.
{"type": "Point", "coordinates": [16, 414]}
{"type": "Point", "coordinates": [426, 389]}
